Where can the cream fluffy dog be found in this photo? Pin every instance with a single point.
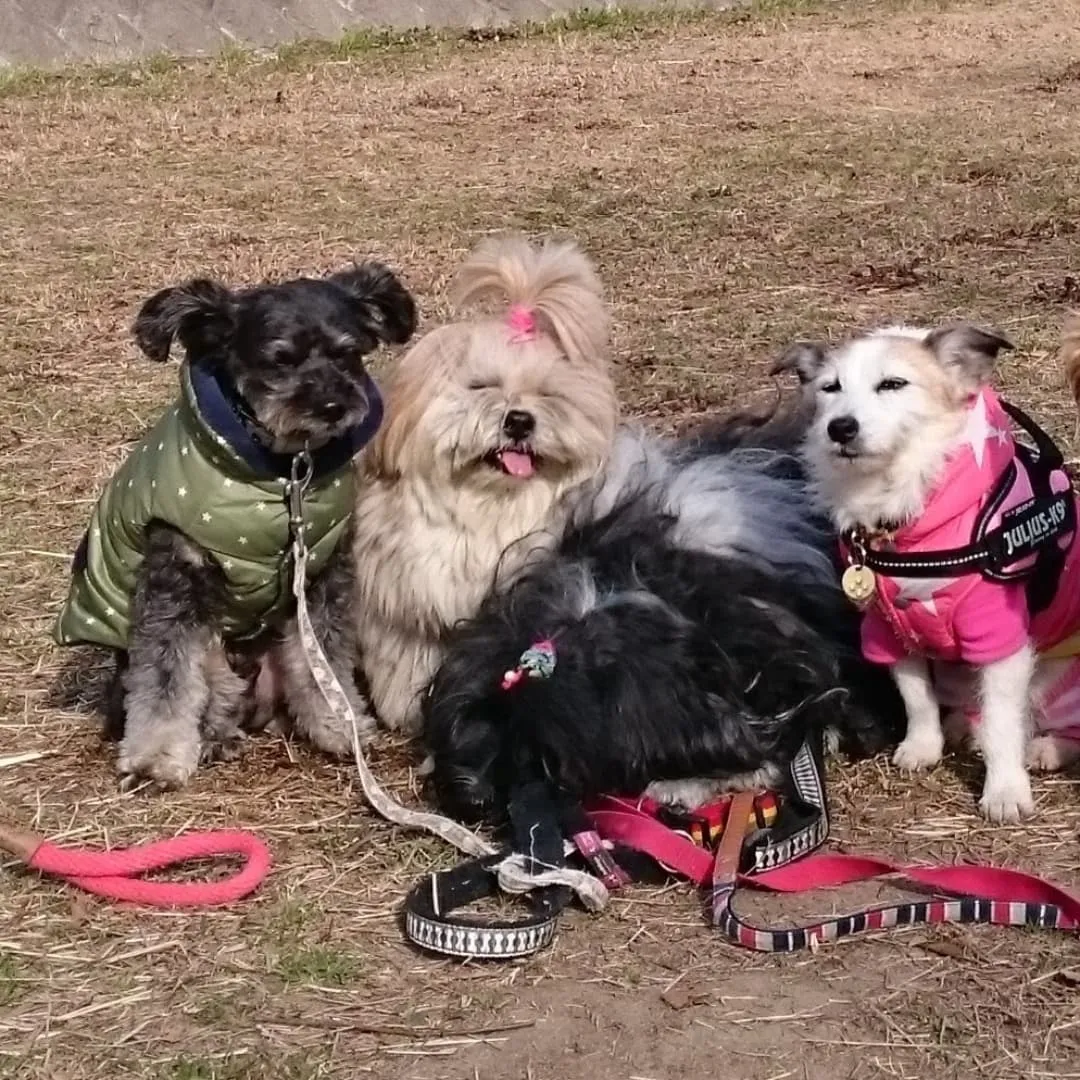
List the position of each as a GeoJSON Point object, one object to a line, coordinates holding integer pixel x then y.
{"type": "Point", "coordinates": [491, 425]}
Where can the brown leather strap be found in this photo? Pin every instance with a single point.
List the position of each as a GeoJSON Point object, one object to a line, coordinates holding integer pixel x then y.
{"type": "Point", "coordinates": [729, 850]}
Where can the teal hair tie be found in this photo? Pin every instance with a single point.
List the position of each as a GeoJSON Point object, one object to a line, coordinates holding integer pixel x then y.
{"type": "Point", "coordinates": [536, 662]}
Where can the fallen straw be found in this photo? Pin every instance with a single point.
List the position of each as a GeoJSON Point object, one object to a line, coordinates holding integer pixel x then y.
{"type": "Point", "coordinates": [22, 759]}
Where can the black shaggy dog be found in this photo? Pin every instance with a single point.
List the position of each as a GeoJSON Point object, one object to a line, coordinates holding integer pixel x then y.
{"type": "Point", "coordinates": [697, 632]}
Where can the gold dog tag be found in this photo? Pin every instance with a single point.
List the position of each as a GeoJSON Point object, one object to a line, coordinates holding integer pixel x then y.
{"type": "Point", "coordinates": [859, 585]}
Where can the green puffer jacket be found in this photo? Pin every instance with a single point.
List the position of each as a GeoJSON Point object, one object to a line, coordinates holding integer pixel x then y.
{"type": "Point", "coordinates": [202, 472]}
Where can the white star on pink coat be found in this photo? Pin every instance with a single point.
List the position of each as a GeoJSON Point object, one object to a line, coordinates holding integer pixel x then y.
{"type": "Point", "coordinates": [979, 429]}
{"type": "Point", "coordinates": [921, 589]}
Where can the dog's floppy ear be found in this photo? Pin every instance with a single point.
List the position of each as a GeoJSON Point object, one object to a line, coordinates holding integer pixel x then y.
{"type": "Point", "coordinates": [402, 444]}
{"type": "Point", "coordinates": [967, 351]}
{"type": "Point", "coordinates": [384, 306]}
{"type": "Point", "coordinates": [201, 313]}
{"type": "Point", "coordinates": [804, 358]}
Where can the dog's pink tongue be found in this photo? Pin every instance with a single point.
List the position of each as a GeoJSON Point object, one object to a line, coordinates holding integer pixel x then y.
{"type": "Point", "coordinates": [516, 463]}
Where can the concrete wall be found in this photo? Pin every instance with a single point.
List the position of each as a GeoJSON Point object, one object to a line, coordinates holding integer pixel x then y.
{"type": "Point", "coordinates": [49, 32]}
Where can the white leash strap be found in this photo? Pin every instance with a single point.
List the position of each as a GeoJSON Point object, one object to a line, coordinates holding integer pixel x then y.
{"type": "Point", "coordinates": [514, 878]}
{"type": "Point", "coordinates": [336, 698]}
{"type": "Point", "coordinates": [511, 871]}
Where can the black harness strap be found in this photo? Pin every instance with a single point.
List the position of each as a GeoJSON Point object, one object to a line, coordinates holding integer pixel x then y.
{"type": "Point", "coordinates": [1025, 531]}
{"type": "Point", "coordinates": [803, 823]}
{"type": "Point", "coordinates": [432, 920]}
{"type": "Point", "coordinates": [1034, 526]}
{"type": "Point", "coordinates": [432, 909]}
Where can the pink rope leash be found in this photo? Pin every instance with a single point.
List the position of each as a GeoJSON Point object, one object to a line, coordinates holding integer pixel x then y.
{"type": "Point", "coordinates": [115, 874]}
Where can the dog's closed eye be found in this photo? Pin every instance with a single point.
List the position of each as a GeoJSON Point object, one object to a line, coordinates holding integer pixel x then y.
{"type": "Point", "coordinates": [831, 387]}
{"type": "Point", "coordinates": [484, 384]}
{"type": "Point", "coordinates": [345, 348]}
{"type": "Point", "coordinates": [285, 356]}
{"type": "Point", "coordinates": [891, 383]}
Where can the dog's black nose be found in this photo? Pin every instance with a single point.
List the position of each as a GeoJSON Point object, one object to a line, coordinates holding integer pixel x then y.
{"type": "Point", "coordinates": [519, 424]}
{"type": "Point", "coordinates": [843, 429]}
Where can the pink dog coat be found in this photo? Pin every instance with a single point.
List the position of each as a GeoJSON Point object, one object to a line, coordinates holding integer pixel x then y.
{"type": "Point", "coordinates": [968, 618]}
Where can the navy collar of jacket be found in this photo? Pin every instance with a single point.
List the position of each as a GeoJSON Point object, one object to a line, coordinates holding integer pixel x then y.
{"type": "Point", "coordinates": [220, 407]}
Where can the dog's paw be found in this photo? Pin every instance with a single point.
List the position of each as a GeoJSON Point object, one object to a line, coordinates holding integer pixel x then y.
{"type": "Point", "coordinates": [919, 751]}
{"type": "Point", "coordinates": [1048, 753]}
{"type": "Point", "coordinates": [1007, 799]}
{"type": "Point", "coordinates": [169, 765]}
{"type": "Point", "coordinates": [700, 791]}
{"type": "Point", "coordinates": [273, 725]}
{"type": "Point", "coordinates": [683, 794]}
{"type": "Point", "coordinates": [230, 748]}
{"type": "Point", "coordinates": [334, 736]}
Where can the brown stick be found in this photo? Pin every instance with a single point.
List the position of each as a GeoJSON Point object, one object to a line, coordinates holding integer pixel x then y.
{"type": "Point", "coordinates": [401, 1030]}
{"type": "Point", "coordinates": [20, 843]}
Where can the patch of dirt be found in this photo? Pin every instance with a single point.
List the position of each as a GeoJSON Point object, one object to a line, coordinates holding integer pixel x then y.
{"type": "Point", "coordinates": [1063, 291]}
{"type": "Point", "coordinates": [728, 175]}
{"type": "Point", "coordinates": [891, 277]}
{"type": "Point", "coordinates": [1051, 84]}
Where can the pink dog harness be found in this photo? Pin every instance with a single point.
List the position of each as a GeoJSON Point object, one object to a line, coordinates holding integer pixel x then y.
{"type": "Point", "coordinates": [989, 565]}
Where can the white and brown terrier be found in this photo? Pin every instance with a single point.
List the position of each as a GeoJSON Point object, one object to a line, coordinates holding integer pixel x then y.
{"type": "Point", "coordinates": [952, 530]}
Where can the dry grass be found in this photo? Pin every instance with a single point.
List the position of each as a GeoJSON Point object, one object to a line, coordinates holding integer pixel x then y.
{"type": "Point", "coordinates": [739, 180]}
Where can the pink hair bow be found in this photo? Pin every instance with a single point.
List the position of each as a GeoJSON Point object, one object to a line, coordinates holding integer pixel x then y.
{"type": "Point", "coordinates": [522, 323]}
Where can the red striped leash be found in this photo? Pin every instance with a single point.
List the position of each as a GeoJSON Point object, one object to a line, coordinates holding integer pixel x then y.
{"type": "Point", "coordinates": [116, 874]}
{"type": "Point", "coordinates": [962, 894]}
